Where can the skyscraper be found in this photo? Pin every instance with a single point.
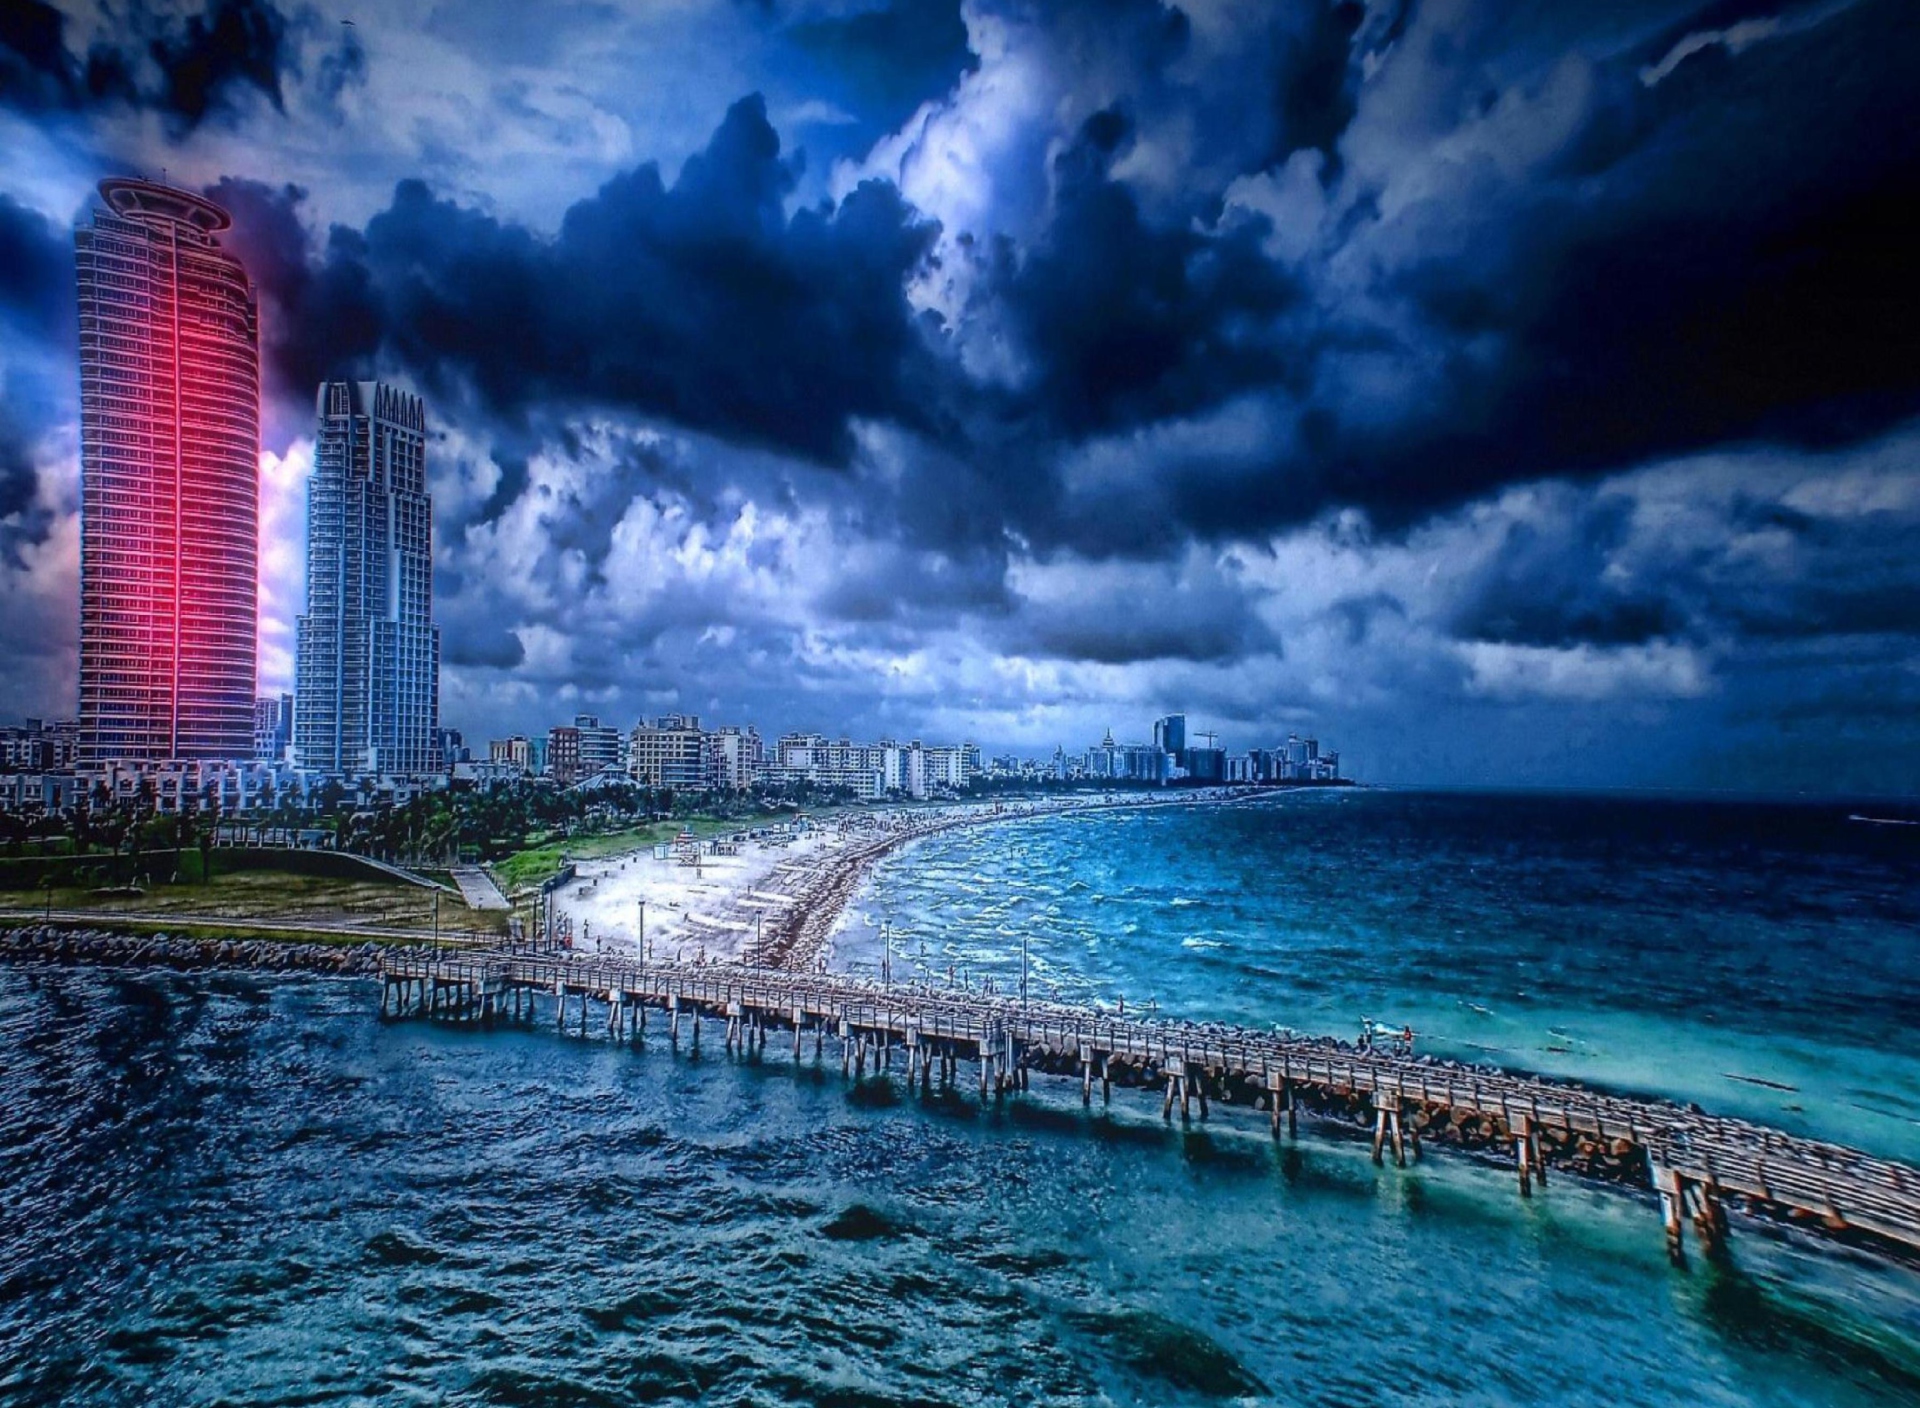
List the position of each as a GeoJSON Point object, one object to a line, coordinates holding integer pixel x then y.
{"type": "Point", "coordinates": [367, 680]}
{"type": "Point", "coordinates": [1170, 736]}
{"type": "Point", "coordinates": [170, 480]}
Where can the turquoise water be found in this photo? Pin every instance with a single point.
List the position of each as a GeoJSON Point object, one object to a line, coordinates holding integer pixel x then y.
{"type": "Point", "coordinates": [1677, 947]}
{"type": "Point", "coordinates": [220, 1189]}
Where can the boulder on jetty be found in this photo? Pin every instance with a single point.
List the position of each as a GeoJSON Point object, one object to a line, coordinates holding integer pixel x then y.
{"type": "Point", "coordinates": [61, 944]}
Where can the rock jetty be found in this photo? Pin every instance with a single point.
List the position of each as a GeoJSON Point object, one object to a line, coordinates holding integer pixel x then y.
{"type": "Point", "coordinates": [59, 944]}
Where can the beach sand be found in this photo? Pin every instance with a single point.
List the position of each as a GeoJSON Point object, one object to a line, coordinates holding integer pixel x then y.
{"type": "Point", "coordinates": [716, 911]}
{"type": "Point", "coordinates": [692, 911]}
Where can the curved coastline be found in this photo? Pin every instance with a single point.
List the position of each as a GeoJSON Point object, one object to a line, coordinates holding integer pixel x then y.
{"type": "Point", "coordinates": [805, 935]}
{"type": "Point", "coordinates": [835, 880]}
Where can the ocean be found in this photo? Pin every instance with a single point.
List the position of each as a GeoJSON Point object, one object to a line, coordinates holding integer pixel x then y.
{"type": "Point", "coordinates": [1758, 959]}
{"type": "Point", "coordinates": [229, 1189]}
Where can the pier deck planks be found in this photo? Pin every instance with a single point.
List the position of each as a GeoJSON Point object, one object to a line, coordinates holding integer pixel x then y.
{"type": "Point", "coordinates": [1824, 1186]}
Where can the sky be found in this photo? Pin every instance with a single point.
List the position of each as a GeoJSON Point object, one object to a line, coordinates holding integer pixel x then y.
{"type": "Point", "coordinates": [1503, 394]}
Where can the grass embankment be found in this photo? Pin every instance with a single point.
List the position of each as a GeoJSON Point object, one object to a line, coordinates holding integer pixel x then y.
{"type": "Point", "coordinates": [524, 869]}
{"type": "Point", "coordinates": [231, 902]}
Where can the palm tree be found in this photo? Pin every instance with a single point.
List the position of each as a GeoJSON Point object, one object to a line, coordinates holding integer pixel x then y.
{"type": "Point", "coordinates": [206, 838]}
{"type": "Point", "coordinates": [80, 828]}
{"type": "Point", "coordinates": [269, 799]}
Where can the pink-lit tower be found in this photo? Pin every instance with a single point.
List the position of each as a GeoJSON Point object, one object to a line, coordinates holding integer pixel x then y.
{"type": "Point", "coordinates": [170, 481]}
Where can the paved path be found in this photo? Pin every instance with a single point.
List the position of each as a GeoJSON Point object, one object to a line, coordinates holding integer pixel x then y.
{"type": "Point", "coordinates": [477, 888]}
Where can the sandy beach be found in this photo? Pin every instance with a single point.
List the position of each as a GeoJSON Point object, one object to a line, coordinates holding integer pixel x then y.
{"type": "Point", "coordinates": [781, 896]}
{"type": "Point", "coordinates": [700, 905]}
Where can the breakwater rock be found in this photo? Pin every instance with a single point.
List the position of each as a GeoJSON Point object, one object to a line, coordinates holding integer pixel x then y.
{"type": "Point", "coordinates": [60, 944]}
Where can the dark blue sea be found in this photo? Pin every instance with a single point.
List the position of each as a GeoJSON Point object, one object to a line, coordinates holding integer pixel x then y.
{"type": "Point", "coordinates": [220, 1189]}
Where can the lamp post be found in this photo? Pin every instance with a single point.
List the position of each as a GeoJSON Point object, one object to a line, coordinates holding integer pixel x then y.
{"type": "Point", "coordinates": [1023, 967]}
{"type": "Point", "coordinates": [436, 921]}
{"type": "Point", "coordinates": [641, 906]}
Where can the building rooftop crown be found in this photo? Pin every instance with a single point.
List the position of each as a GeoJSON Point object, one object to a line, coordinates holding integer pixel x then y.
{"type": "Point", "coordinates": [153, 203]}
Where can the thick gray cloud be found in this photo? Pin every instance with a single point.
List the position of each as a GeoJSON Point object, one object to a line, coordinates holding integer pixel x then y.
{"type": "Point", "coordinates": [186, 65]}
{"type": "Point", "coordinates": [1406, 369]}
{"type": "Point", "coordinates": [36, 270]}
{"type": "Point", "coordinates": [704, 301]}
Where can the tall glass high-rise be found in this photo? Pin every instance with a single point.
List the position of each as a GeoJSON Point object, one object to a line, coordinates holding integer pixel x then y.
{"type": "Point", "coordinates": [170, 476]}
{"type": "Point", "coordinates": [367, 687]}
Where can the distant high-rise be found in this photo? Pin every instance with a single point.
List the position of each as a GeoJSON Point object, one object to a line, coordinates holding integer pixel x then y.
{"type": "Point", "coordinates": [601, 745]}
{"type": "Point", "coordinates": [367, 680]}
{"type": "Point", "coordinates": [272, 728]}
{"type": "Point", "coordinates": [1170, 736]}
{"type": "Point", "coordinates": [170, 481]}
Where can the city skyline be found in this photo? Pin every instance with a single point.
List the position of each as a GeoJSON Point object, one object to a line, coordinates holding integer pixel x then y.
{"type": "Point", "coordinates": [1524, 400]}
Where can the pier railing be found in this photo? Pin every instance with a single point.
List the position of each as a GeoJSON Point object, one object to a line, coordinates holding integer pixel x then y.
{"type": "Point", "coordinates": [1695, 1160]}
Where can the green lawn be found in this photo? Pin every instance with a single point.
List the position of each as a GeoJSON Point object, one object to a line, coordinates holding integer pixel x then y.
{"type": "Point", "coordinates": [530, 867]}
{"type": "Point", "coordinates": [282, 897]}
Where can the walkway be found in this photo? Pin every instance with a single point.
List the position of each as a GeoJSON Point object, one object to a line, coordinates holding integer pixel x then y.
{"type": "Point", "coordinates": [477, 888]}
{"type": "Point", "coordinates": [1694, 1161]}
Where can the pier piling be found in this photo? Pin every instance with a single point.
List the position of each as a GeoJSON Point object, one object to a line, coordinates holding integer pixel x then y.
{"type": "Point", "coordinates": [1696, 1161]}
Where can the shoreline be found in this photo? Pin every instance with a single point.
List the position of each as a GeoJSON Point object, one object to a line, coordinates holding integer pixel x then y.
{"type": "Point", "coordinates": [266, 945]}
{"type": "Point", "coordinates": [776, 900]}
{"type": "Point", "coordinates": [807, 939]}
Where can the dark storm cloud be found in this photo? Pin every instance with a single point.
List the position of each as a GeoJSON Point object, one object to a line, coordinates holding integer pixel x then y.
{"type": "Point", "coordinates": [1712, 255]}
{"type": "Point", "coordinates": [1212, 631]}
{"type": "Point", "coordinates": [1625, 566]}
{"type": "Point", "coordinates": [18, 481]}
{"type": "Point", "coordinates": [1549, 586]}
{"type": "Point", "coordinates": [703, 302]}
{"type": "Point", "coordinates": [1315, 89]}
{"type": "Point", "coordinates": [1722, 254]}
{"type": "Point", "coordinates": [1357, 614]}
{"type": "Point", "coordinates": [36, 316]}
{"type": "Point", "coordinates": [320, 319]}
{"type": "Point", "coordinates": [27, 413]}
{"type": "Point", "coordinates": [883, 62]}
{"type": "Point", "coordinates": [471, 644]}
{"type": "Point", "coordinates": [36, 275]}
{"type": "Point", "coordinates": [1127, 321]}
{"type": "Point", "coordinates": [919, 587]}
{"type": "Point", "coordinates": [1857, 582]}
{"type": "Point", "coordinates": [1618, 263]}
{"type": "Point", "coordinates": [184, 65]}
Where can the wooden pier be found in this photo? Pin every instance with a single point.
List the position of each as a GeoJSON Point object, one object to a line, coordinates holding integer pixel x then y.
{"type": "Point", "coordinates": [1695, 1162]}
